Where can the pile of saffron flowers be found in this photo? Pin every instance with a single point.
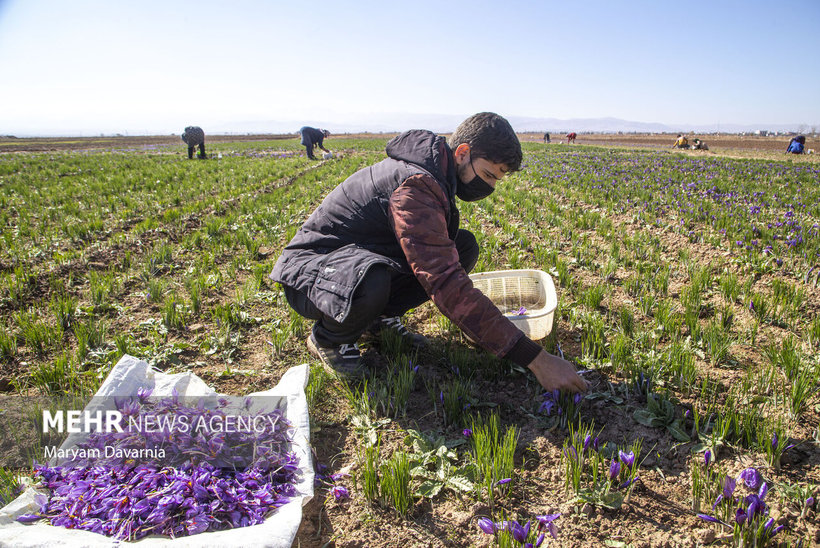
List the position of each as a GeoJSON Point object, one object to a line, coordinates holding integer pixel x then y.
{"type": "Point", "coordinates": [207, 480]}
{"type": "Point", "coordinates": [747, 515]}
{"type": "Point", "coordinates": [524, 535]}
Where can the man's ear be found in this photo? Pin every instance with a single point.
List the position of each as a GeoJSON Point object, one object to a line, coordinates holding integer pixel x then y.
{"type": "Point", "coordinates": [461, 152]}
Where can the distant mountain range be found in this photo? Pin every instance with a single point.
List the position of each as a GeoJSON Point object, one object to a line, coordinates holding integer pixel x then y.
{"type": "Point", "coordinates": [394, 122]}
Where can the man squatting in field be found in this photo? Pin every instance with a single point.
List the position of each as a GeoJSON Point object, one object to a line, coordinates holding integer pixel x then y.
{"type": "Point", "coordinates": [311, 138]}
{"type": "Point", "coordinates": [387, 239]}
{"type": "Point", "coordinates": [193, 136]}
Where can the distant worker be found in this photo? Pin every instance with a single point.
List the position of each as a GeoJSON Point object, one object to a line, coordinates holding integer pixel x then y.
{"type": "Point", "coordinates": [681, 142]}
{"type": "Point", "coordinates": [700, 145]}
{"type": "Point", "coordinates": [311, 138]}
{"type": "Point", "coordinates": [193, 136]}
{"type": "Point", "coordinates": [546, 137]}
{"type": "Point", "coordinates": [797, 145]}
{"type": "Point", "coordinates": [571, 137]}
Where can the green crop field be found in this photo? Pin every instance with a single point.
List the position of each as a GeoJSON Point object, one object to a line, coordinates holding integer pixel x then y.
{"type": "Point", "coordinates": [688, 289]}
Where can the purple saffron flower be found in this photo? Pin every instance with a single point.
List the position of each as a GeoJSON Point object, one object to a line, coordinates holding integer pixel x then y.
{"type": "Point", "coordinates": [467, 432]}
{"type": "Point", "coordinates": [547, 522]}
{"type": "Point", "coordinates": [707, 458]}
{"type": "Point", "coordinates": [764, 488]}
{"type": "Point", "coordinates": [755, 505]}
{"type": "Point", "coordinates": [340, 492]}
{"type": "Point", "coordinates": [774, 441]}
{"type": "Point", "coordinates": [751, 477]}
{"type": "Point", "coordinates": [628, 482]}
{"type": "Point", "coordinates": [595, 444]}
{"type": "Point", "coordinates": [587, 441]}
{"type": "Point", "coordinates": [809, 502]}
{"type": "Point", "coordinates": [707, 517]}
{"type": "Point", "coordinates": [614, 469]}
{"type": "Point", "coordinates": [197, 523]}
{"type": "Point", "coordinates": [143, 394]}
{"type": "Point", "coordinates": [519, 532]}
{"type": "Point", "coordinates": [627, 458]}
{"type": "Point", "coordinates": [503, 481]}
{"type": "Point", "coordinates": [729, 487]}
{"type": "Point", "coordinates": [487, 525]}
{"type": "Point", "coordinates": [28, 518]}
{"type": "Point", "coordinates": [740, 516]}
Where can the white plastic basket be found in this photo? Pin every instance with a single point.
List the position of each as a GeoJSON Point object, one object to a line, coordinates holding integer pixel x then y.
{"type": "Point", "coordinates": [512, 289]}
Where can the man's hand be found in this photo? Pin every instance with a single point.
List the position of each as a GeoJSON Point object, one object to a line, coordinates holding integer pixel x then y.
{"type": "Point", "coordinates": [553, 372]}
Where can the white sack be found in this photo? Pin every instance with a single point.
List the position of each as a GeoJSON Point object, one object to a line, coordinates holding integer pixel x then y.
{"type": "Point", "coordinates": [125, 378]}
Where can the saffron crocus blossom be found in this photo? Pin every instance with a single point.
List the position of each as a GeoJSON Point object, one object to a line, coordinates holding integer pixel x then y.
{"type": "Point", "coordinates": [29, 518]}
{"type": "Point", "coordinates": [587, 441]}
{"type": "Point", "coordinates": [764, 488]}
{"type": "Point", "coordinates": [521, 311]}
{"type": "Point", "coordinates": [340, 492]}
{"type": "Point", "coordinates": [487, 525]}
{"type": "Point", "coordinates": [520, 532]}
{"type": "Point", "coordinates": [467, 432]}
{"type": "Point", "coordinates": [627, 458]}
{"type": "Point", "coordinates": [751, 477]}
{"type": "Point", "coordinates": [143, 394]}
{"type": "Point", "coordinates": [756, 506]}
{"type": "Point", "coordinates": [614, 469]}
{"type": "Point", "coordinates": [628, 482]}
{"type": "Point", "coordinates": [740, 516]}
{"type": "Point", "coordinates": [809, 502]}
{"type": "Point", "coordinates": [707, 458]}
{"type": "Point", "coordinates": [547, 522]}
{"type": "Point", "coordinates": [503, 481]}
{"type": "Point", "coordinates": [707, 517]}
{"type": "Point", "coordinates": [729, 487]}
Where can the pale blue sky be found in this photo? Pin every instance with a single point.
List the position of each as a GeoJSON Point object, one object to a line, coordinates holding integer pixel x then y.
{"type": "Point", "coordinates": [154, 66]}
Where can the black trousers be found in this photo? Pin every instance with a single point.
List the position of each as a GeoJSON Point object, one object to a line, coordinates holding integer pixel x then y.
{"type": "Point", "coordinates": [383, 291]}
{"type": "Point", "coordinates": [191, 150]}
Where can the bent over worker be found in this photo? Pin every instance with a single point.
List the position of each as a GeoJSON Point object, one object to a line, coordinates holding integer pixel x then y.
{"type": "Point", "coordinates": [387, 239]}
{"type": "Point", "coordinates": [313, 137]}
{"type": "Point", "coordinates": [193, 136]}
{"type": "Point", "coordinates": [797, 145]}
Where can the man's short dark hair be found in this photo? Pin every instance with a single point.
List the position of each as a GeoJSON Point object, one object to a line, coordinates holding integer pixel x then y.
{"type": "Point", "coordinates": [491, 137]}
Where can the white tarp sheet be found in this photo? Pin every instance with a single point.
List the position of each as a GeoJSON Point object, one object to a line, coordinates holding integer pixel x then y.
{"type": "Point", "coordinates": [126, 377]}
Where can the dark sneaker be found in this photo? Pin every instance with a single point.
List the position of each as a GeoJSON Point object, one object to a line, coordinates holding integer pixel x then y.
{"type": "Point", "coordinates": [393, 323]}
{"type": "Point", "coordinates": [344, 360]}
